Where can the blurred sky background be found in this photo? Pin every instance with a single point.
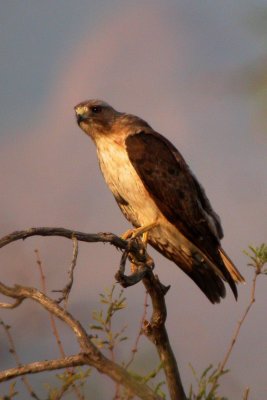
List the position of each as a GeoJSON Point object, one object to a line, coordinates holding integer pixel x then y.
{"type": "Point", "coordinates": [195, 70]}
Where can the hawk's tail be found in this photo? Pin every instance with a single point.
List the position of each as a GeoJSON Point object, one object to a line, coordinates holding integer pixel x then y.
{"type": "Point", "coordinates": [235, 274]}
{"type": "Point", "coordinates": [205, 272]}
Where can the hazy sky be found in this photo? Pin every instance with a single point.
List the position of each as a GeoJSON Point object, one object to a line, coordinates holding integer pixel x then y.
{"type": "Point", "coordinates": [181, 66]}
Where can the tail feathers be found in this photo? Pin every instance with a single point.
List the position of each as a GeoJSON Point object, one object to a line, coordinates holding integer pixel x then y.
{"type": "Point", "coordinates": [235, 274]}
{"type": "Point", "coordinates": [209, 282]}
{"type": "Point", "coordinates": [209, 274]}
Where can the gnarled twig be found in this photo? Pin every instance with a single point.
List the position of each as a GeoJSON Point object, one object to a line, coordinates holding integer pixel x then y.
{"type": "Point", "coordinates": [155, 329]}
{"type": "Point", "coordinates": [91, 355]}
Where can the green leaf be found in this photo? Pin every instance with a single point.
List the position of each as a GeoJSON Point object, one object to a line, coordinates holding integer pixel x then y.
{"type": "Point", "coordinates": [96, 327]}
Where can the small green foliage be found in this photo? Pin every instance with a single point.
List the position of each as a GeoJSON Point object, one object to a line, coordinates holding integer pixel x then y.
{"type": "Point", "coordinates": [152, 374]}
{"type": "Point", "coordinates": [77, 375]}
{"type": "Point", "coordinates": [258, 257]}
{"type": "Point", "coordinates": [158, 386]}
{"type": "Point", "coordinates": [158, 389]}
{"type": "Point", "coordinates": [148, 379]}
{"type": "Point", "coordinates": [112, 303]}
{"type": "Point", "coordinates": [207, 384]}
{"type": "Point", "coordinates": [149, 376]}
{"type": "Point", "coordinates": [68, 380]}
{"type": "Point", "coordinates": [106, 338]}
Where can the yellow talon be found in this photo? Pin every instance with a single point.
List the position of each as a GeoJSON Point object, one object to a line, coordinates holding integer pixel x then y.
{"type": "Point", "coordinates": [127, 234]}
{"type": "Point", "coordinates": [134, 233]}
{"type": "Point", "coordinates": [142, 230]}
{"type": "Point", "coordinates": [145, 238]}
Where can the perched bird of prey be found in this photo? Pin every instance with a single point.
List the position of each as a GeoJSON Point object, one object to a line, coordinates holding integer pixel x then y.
{"type": "Point", "coordinates": [159, 195]}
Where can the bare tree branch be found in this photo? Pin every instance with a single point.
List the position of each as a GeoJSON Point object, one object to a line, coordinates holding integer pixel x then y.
{"type": "Point", "coordinates": [239, 325]}
{"type": "Point", "coordinates": [55, 331]}
{"type": "Point", "coordinates": [66, 290]}
{"type": "Point", "coordinates": [67, 233]}
{"type": "Point", "coordinates": [13, 351]}
{"type": "Point", "coordinates": [155, 330]}
{"type": "Point", "coordinates": [246, 394]}
{"type": "Point", "coordinates": [90, 352]}
{"type": "Point", "coordinates": [135, 346]}
{"type": "Point", "coordinates": [41, 366]}
{"type": "Point", "coordinates": [11, 305]}
{"type": "Point", "coordinates": [137, 253]}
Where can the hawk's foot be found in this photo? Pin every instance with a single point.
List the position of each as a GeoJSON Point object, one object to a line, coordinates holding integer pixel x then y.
{"type": "Point", "coordinates": [141, 231]}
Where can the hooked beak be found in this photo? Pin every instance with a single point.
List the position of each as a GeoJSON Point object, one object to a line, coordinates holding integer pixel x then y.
{"type": "Point", "coordinates": [79, 118]}
{"type": "Point", "coordinates": [81, 114]}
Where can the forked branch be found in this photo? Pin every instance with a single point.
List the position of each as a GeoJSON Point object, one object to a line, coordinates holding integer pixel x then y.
{"type": "Point", "coordinates": [155, 329]}
{"type": "Point", "coordinates": [90, 355]}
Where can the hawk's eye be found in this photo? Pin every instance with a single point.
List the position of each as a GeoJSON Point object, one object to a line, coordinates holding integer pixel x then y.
{"type": "Point", "coordinates": [96, 109]}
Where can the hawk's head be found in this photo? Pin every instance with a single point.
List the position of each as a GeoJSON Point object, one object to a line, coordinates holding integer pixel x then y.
{"type": "Point", "coordinates": [95, 117]}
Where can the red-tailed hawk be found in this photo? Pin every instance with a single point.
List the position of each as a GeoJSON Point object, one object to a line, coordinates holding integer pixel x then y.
{"type": "Point", "coordinates": [155, 188]}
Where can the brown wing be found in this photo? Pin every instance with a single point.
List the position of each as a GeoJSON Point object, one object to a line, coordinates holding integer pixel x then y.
{"type": "Point", "coordinates": [177, 193]}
